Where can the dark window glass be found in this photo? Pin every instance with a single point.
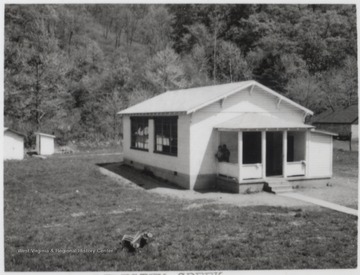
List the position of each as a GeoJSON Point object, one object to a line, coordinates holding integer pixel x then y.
{"type": "Point", "coordinates": [166, 135]}
{"type": "Point", "coordinates": [290, 148]}
{"type": "Point", "coordinates": [140, 133]}
{"type": "Point", "coordinates": [251, 147]}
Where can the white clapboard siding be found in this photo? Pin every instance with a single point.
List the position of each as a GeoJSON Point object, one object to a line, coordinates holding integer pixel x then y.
{"type": "Point", "coordinates": [320, 155]}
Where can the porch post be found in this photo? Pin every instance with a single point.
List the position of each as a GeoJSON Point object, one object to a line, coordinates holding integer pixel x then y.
{"type": "Point", "coordinates": [263, 153]}
{"type": "Point", "coordinates": [240, 153]}
{"type": "Point", "coordinates": [284, 153]}
{"type": "Point", "coordinates": [307, 140]}
{"type": "Point", "coordinates": [151, 131]}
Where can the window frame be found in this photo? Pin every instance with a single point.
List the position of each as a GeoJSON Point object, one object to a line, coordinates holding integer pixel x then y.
{"type": "Point", "coordinates": [172, 123]}
{"type": "Point", "coordinates": [141, 121]}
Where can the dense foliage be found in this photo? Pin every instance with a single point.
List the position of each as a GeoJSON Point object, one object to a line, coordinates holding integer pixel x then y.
{"type": "Point", "coordinates": [70, 68]}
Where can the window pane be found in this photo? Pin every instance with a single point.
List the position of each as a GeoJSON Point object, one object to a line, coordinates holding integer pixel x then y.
{"type": "Point", "coordinates": [139, 132]}
{"type": "Point", "coordinates": [166, 135]}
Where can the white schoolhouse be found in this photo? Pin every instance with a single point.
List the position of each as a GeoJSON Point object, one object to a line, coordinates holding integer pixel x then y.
{"type": "Point", "coordinates": [176, 136]}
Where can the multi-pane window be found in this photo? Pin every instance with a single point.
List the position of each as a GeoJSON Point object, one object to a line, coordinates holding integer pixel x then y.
{"type": "Point", "coordinates": [140, 133]}
{"type": "Point", "coordinates": [166, 135]}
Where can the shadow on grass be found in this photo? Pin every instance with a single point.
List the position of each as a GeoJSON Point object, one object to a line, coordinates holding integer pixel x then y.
{"type": "Point", "coordinates": [142, 178]}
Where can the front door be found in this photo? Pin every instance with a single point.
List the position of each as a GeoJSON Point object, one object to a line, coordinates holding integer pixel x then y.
{"type": "Point", "coordinates": [274, 145]}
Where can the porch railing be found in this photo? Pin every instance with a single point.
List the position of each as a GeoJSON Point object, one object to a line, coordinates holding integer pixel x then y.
{"type": "Point", "coordinates": [228, 169]}
{"type": "Point", "coordinates": [251, 171]}
{"type": "Point", "coordinates": [248, 171]}
{"type": "Point", "coordinates": [295, 168]}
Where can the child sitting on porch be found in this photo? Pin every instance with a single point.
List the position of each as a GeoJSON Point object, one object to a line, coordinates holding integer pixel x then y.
{"type": "Point", "coordinates": [226, 153]}
{"type": "Point", "coordinates": [223, 154]}
{"type": "Point", "coordinates": [219, 154]}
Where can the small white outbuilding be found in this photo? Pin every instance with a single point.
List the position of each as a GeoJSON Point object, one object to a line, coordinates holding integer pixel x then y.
{"type": "Point", "coordinates": [45, 144]}
{"type": "Point", "coordinates": [13, 144]}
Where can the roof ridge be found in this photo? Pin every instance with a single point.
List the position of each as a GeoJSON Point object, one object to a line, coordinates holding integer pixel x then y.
{"type": "Point", "coordinates": [192, 99]}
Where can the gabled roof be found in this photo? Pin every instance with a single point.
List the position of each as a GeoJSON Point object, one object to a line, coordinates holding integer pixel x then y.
{"type": "Point", "coordinates": [251, 121]}
{"type": "Point", "coordinates": [190, 100]}
{"type": "Point", "coordinates": [45, 135]}
{"type": "Point", "coordinates": [346, 116]}
{"type": "Point", "coordinates": [13, 131]}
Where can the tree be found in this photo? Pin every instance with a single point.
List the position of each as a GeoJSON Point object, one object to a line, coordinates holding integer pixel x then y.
{"type": "Point", "coordinates": [156, 29]}
{"type": "Point", "coordinates": [306, 90]}
{"type": "Point", "coordinates": [196, 67]}
{"type": "Point", "coordinates": [217, 25]}
{"type": "Point", "coordinates": [68, 68]}
{"type": "Point", "coordinates": [165, 71]}
{"type": "Point", "coordinates": [232, 65]}
{"type": "Point", "coordinates": [133, 14]}
{"type": "Point", "coordinates": [340, 85]}
{"type": "Point", "coordinates": [35, 70]}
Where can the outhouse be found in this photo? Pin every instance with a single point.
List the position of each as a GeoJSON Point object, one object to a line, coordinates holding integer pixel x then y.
{"type": "Point", "coordinates": [45, 144]}
{"type": "Point", "coordinates": [13, 144]}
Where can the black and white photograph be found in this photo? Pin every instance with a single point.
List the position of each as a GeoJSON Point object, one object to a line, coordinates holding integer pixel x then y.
{"type": "Point", "coordinates": [188, 138]}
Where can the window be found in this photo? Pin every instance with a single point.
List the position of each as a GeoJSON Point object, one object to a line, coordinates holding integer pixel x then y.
{"type": "Point", "coordinates": [140, 133]}
{"type": "Point", "coordinates": [166, 135]}
{"type": "Point", "coordinates": [296, 145]}
{"type": "Point", "coordinates": [251, 147]}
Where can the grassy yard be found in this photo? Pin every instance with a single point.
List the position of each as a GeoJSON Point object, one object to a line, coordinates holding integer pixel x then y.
{"type": "Point", "coordinates": [68, 206]}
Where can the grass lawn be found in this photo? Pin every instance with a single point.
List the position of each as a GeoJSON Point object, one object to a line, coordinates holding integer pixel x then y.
{"type": "Point", "coordinates": [68, 206]}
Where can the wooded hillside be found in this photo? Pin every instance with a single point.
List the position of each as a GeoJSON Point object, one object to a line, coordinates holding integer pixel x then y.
{"type": "Point", "coordinates": [70, 68]}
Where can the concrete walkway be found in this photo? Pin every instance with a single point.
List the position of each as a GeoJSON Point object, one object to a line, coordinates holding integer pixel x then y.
{"type": "Point", "coordinates": [322, 203]}
{"type": "Point", "coordinates": [80, 155]}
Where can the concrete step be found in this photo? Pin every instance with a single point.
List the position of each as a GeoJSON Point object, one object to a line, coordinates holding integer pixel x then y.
{"type": "Point", "coordinates": [284, 189]}
{"type": "Point", "coordinates": [278, 186]}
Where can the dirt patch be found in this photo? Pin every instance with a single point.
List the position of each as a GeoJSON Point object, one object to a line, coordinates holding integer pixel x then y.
{"type": "Point", "coordinates": [341, 190]}
{"type": "Point", "coordinates": [79, 214]}
{"type": "Point", "coordinates": [119, 212]}
{"type": "Point", "coordinates": [54, 225]}
{"type": "Point", "coordinates": [289, 214]}
{"type": "Point", "coordinates": [196, 205]}
{"type": "Point", "coordinates": [261, 198]}
{"type": "Point", "coordinates": [297, 223]}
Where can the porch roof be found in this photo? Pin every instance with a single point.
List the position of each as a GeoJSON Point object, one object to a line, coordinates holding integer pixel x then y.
{"type": "Point", "coordinates": [257, 121]}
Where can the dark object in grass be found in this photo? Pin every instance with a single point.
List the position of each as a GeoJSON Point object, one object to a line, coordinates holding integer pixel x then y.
{"type": "Point", "coordinates": [134, 242]}
{"type": "Point", "coordinates": [31, 153]}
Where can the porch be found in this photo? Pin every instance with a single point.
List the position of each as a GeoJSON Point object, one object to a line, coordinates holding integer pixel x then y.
{"type": "Point", "coordinates": [263, 154]}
